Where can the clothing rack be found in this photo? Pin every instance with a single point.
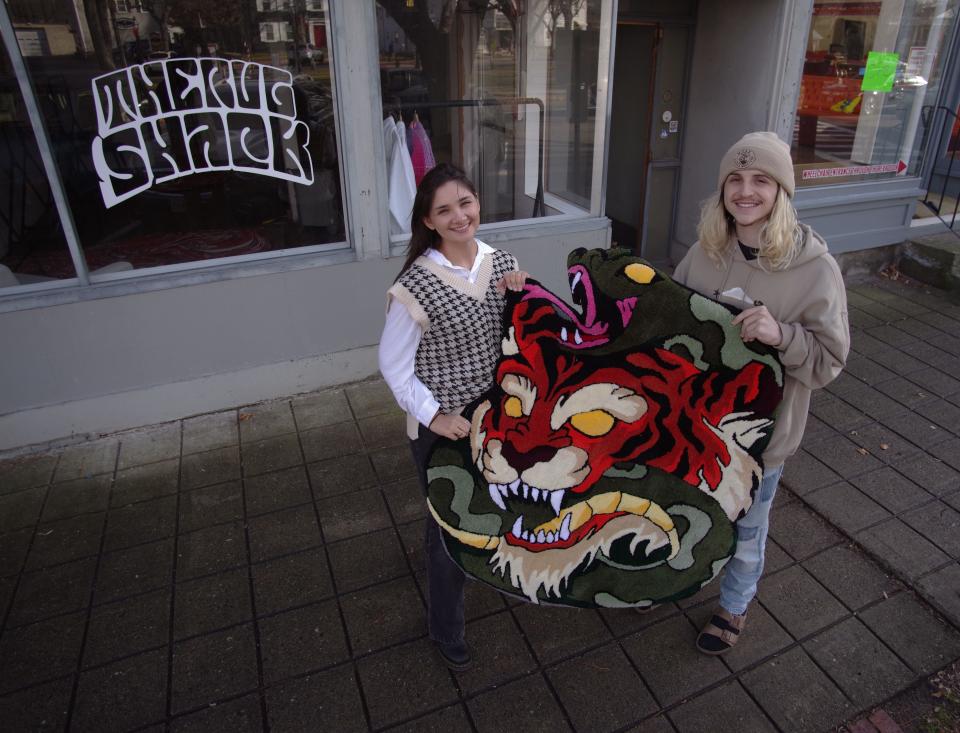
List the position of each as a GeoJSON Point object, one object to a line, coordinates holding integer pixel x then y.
{"type": "Point", "coordinates": [538, 206]}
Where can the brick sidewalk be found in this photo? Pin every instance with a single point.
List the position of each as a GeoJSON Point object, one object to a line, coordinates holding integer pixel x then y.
{"type": "Point", "coordinates": [260, 569]}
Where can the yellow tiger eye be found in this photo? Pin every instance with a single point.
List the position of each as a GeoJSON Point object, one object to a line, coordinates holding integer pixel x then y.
{"type": "Point", "coordinates": [642, 274]}
{"type": "Point", "coordinates": [594, 423]}
{"type": "Point", "coordinates": [513, 407]}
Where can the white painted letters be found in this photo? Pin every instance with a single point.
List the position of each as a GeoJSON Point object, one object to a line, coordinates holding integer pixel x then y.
{"type": "Point", "coordinates": [168, 119]}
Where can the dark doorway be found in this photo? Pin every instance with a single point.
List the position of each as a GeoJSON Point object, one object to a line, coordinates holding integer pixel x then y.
{"type": "Point", "coordinates": [629, 152]}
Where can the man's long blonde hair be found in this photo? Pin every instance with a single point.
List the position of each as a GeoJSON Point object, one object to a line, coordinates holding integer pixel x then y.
{"type": "Point", "coordinates": [780, 236]}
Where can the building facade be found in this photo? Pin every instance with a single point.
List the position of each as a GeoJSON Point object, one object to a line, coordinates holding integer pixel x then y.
{"type": "Point", "coordinates": [217, 223]}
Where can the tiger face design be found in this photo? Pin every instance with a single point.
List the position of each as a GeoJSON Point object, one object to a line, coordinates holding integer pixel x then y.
{"type": "Point", "coordinates": [605, 476]}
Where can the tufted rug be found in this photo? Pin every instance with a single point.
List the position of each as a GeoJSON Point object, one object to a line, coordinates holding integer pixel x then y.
{"type": "Point", "coordinates": [619, 442]}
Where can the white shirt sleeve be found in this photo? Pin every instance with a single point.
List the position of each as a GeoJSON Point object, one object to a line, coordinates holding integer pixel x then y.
{"type": "Point", "coordinates": [397, 355]}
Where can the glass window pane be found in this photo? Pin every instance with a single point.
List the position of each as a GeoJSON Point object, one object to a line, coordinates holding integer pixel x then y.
{"type": "Point", "coordinates": [188, 132]}
{"type": "Point", "coordinates": [870, 69]}
{"type": "Point", "coordinates": [505, 90]}
{"type": "Point", "coordinates": [32, 245]}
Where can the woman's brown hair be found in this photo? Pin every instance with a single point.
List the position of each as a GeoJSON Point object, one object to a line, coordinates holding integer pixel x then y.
{"type": "Point", "coordinates": [423, 237]}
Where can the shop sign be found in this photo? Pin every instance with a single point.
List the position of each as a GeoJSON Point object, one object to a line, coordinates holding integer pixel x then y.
{"type": "Point", "coordinates": [167, 119]}
{"type": "Point", "coordinates": [854, 170]}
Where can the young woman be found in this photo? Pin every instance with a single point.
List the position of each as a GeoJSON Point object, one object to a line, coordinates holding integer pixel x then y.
{"type": "Point", "coordinates": [753, 253]}
{"type": "Point", "coordinates": [439, 347]}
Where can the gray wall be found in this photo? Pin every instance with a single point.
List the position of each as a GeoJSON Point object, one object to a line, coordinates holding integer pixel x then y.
{"type": "Point", "coordinates": [118, 362]}
{"type": "Point", "coordinates": [860, 216]}
{"type": "Point", "coordinates": [117, 344]}
{"type": "Point", "coordinates": [733, 84]}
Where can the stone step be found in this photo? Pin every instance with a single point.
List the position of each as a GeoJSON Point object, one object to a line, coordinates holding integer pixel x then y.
{"type": "Point", "coordinates": [933, 259]}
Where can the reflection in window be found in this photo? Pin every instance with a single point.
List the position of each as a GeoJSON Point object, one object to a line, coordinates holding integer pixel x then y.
{"type": "Point", "coordinates": [870, 68]}
{"type": "Point", "coordinates": [504, 89]}
{"type": "Point", "coordinates": [32, 245]}
{"type": "Point", "coordinates": [953, 146]}
{"type": "Point", "coordinates": [185, 136]}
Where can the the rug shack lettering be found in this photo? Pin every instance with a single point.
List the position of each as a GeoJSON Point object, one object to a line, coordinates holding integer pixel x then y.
{"type": "Point", "coordinates": [167, 119]}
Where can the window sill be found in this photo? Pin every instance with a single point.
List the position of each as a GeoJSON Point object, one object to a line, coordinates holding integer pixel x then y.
{"type": "Point", "coordinates": [62, 292]}
{"type": "Point", "coordinates": [131, 282]}
{"type": "Point", "coordinates": [507, 231]}
{"type": "Point", "coordinates": [841, 194]}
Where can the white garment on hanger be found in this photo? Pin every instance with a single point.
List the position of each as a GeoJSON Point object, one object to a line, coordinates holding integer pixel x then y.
{"type": "Point", "coordinates": [401, 338]}
{"type": "Point", "coordinates": [401, 184]}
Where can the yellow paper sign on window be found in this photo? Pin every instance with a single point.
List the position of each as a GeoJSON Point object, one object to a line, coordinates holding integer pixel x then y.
{"type": "Point", "coordinates": [880, 72]}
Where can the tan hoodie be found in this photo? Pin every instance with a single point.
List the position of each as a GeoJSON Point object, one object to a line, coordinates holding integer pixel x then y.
{"type": "Point", "coordinates": [808, 299]}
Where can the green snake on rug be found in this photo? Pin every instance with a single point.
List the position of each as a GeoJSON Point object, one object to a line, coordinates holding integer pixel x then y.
{"type": "Point", "coordinates": [619, 443]}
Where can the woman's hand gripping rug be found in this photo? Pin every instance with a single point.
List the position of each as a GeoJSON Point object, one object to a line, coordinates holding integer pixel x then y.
{"type": "Point", "coordinates": [619, 443]}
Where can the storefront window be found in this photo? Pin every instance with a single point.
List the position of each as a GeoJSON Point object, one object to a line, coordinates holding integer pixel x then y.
{"type": "Point", "coordinates": [30, 235]}
{"type": "Point", "coordinates": [506, 90]}
{"type": "Point", "coordinates": [186, 131]}
{"type": "Point", "coordinates": [870, 69]}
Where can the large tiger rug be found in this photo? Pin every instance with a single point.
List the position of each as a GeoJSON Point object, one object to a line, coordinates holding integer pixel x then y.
{"type": "Point", "coordinates": [618, 444]}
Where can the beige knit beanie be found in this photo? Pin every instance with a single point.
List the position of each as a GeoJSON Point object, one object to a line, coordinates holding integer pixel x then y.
{"type": "Point", "coordinates": [762, 151]}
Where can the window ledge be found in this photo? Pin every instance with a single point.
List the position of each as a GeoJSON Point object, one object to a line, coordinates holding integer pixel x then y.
{"type": "Point", "coordinates": [46, 294]}
{"type": "Point", "coordinates": [841, 194]}
{"type": "Point", "coordinates": [508, 231]}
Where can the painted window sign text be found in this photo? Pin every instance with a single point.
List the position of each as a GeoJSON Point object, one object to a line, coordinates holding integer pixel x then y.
{"type": "Point", "coordinates": [167, 119]}
{"type": "Point", "coordinates": [854, 170]}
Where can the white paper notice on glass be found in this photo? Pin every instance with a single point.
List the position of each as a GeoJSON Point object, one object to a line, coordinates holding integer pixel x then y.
{"type": "Point", "coordinates": [915, 59]}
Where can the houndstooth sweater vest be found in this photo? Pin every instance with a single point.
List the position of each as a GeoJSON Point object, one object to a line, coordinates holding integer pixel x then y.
{"type": "Point", "coordinates": [461, 323]}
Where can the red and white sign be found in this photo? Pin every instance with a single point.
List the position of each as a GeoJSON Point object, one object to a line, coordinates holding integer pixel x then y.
{"type": "Point", "coordinates": [855, 170]}
{"type": "Point", "coordinates": [846, 8]}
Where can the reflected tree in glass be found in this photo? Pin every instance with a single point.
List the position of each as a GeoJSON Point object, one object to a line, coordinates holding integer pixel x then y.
{"type": "Point", "coordinates": [428, 26]}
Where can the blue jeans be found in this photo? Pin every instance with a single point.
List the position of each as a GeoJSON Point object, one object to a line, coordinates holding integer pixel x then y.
{"type": "Point", "coordinates": [741, 574]}
{"type": "Point", "coordinates": [445, 579]}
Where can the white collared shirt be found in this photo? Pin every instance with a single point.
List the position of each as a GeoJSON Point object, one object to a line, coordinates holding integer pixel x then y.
{"type": "Point", "coordinates": [401, 338]}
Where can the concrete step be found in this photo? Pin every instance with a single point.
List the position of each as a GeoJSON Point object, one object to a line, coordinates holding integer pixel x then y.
{"type": "Point", "coordinates": [933, 259]}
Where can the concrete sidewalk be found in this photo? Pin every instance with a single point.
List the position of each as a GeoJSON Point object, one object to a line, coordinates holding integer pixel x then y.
{"type": "Point", "coordinates": [261, 569]}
